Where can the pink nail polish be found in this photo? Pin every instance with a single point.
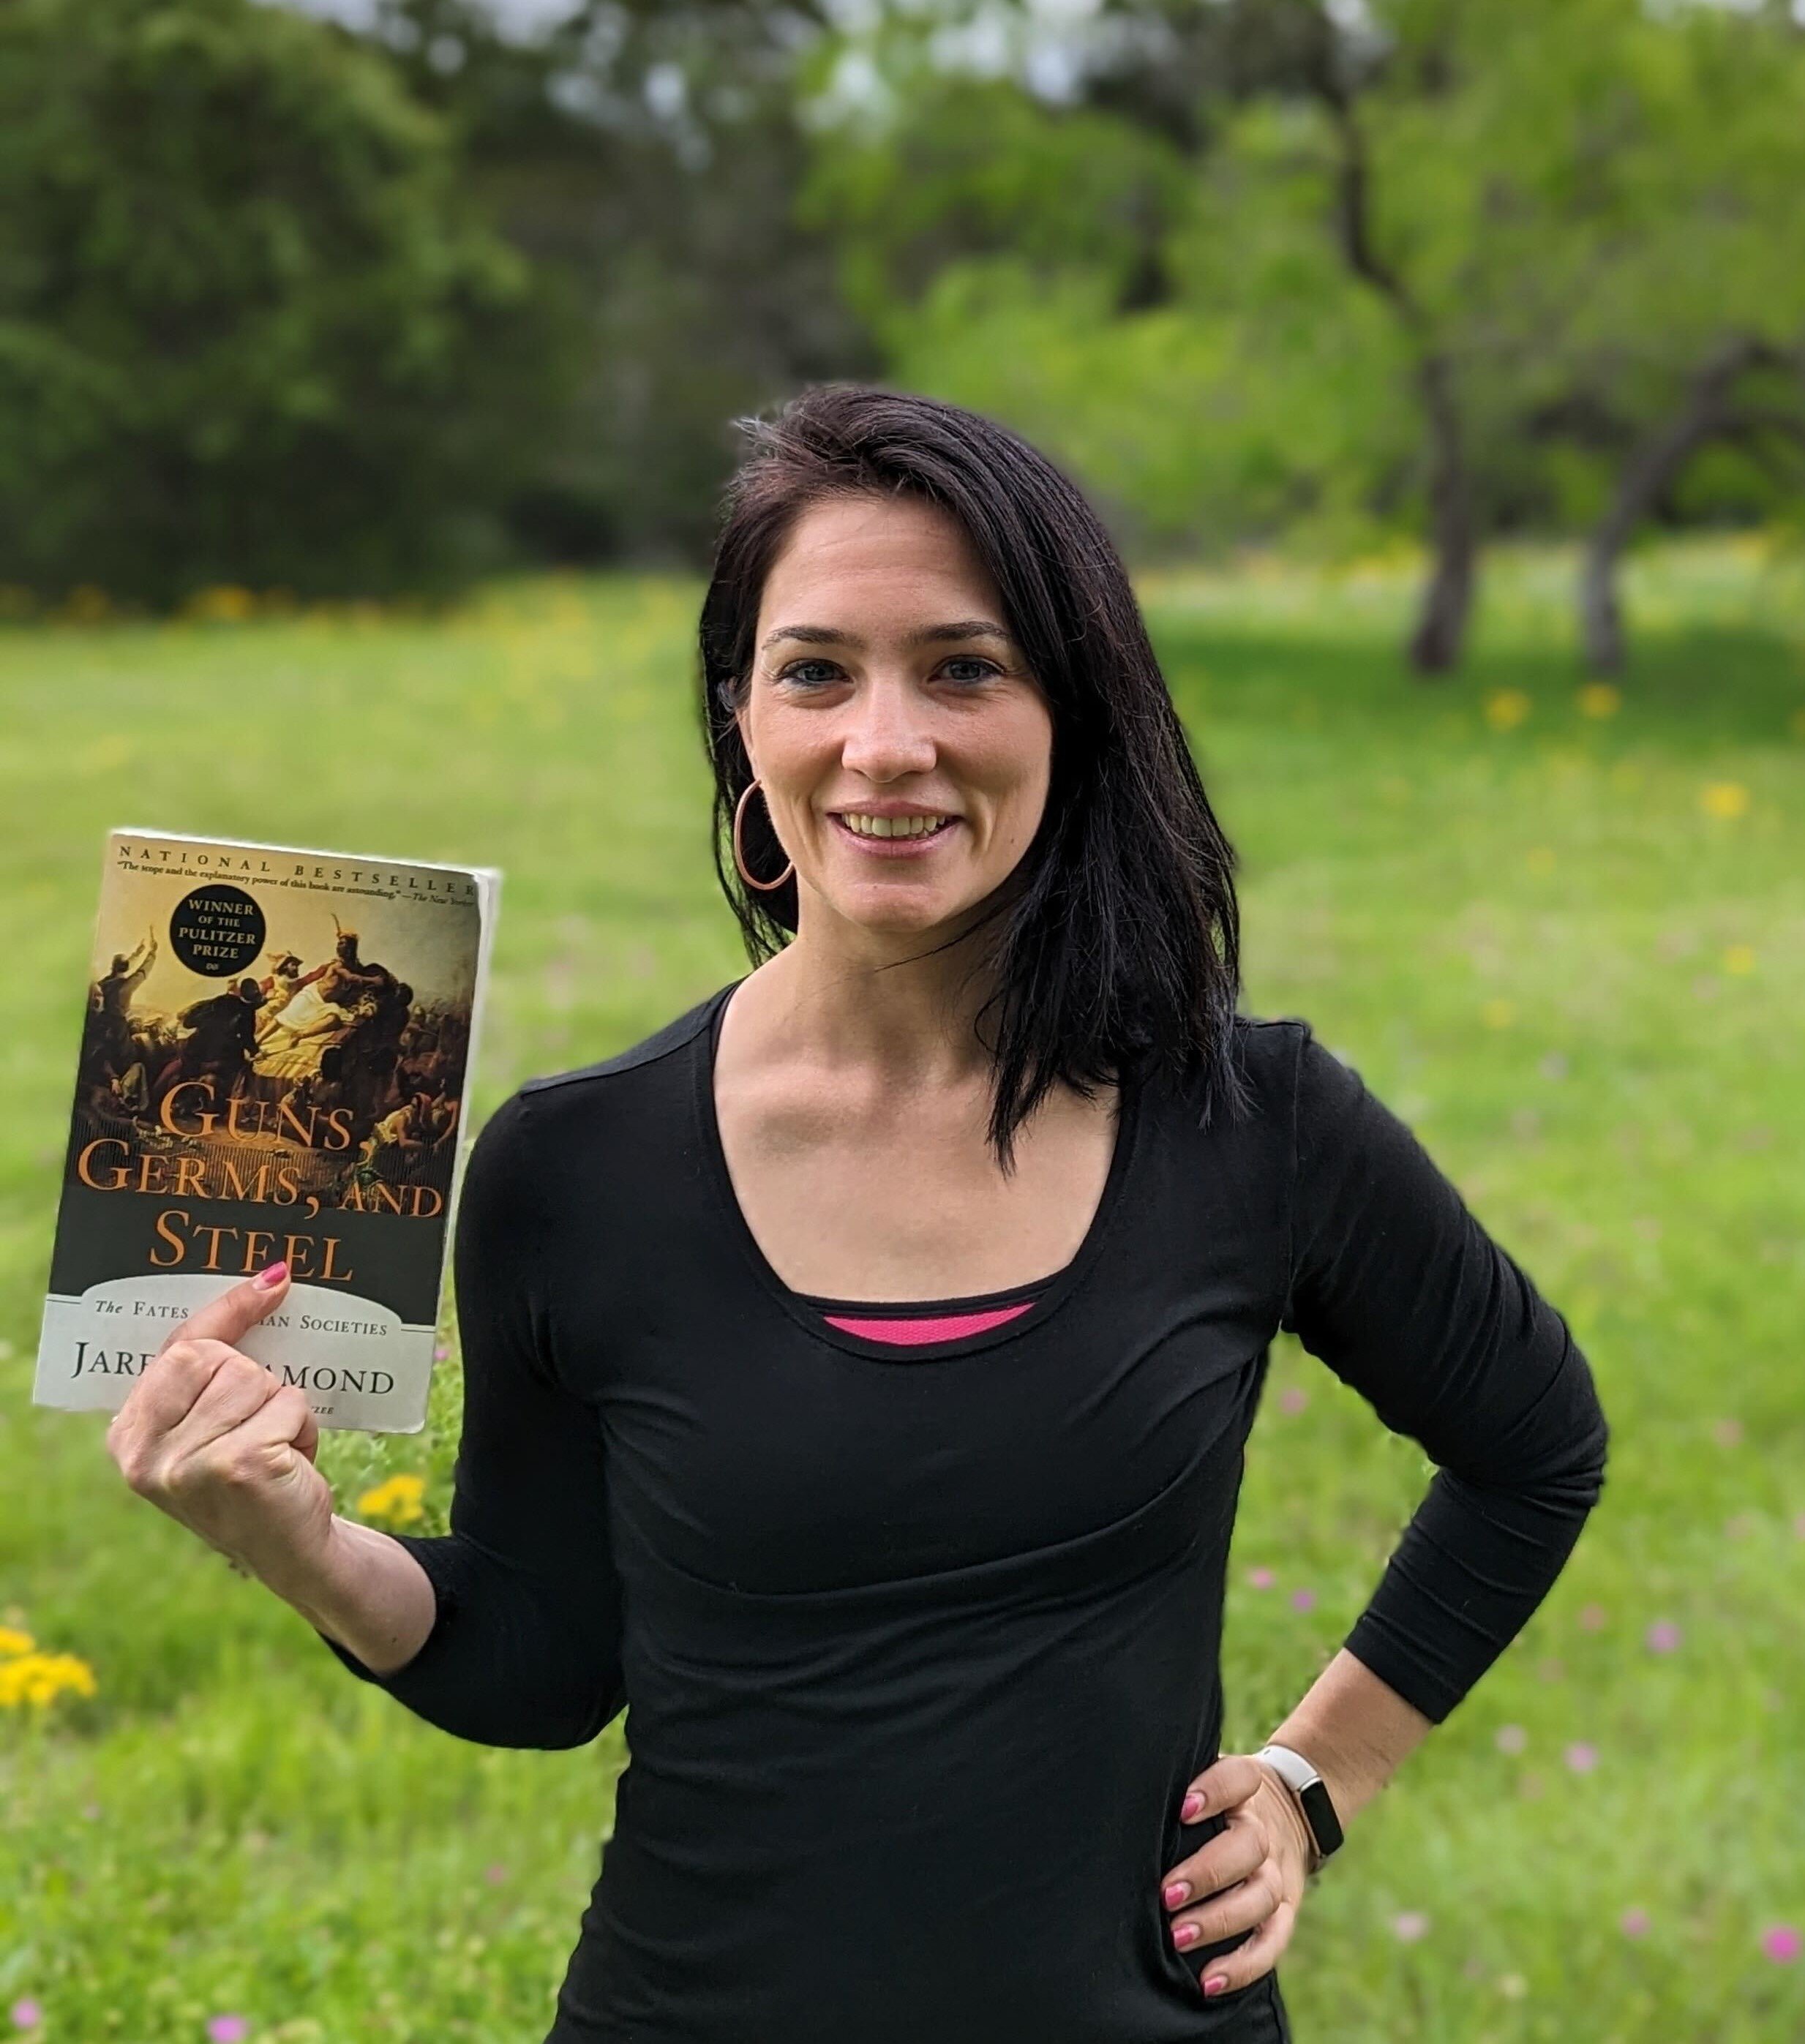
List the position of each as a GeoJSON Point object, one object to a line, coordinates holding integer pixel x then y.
{"type": "Point", "coordinates": [267, 1280]}
{"type": "Point", "coordinates": [1186, 1933]}
{"type": "Point", "coordinates": [1193, 1803]}
{"type": "Point", "coordinates": [1176, 1894]}
{"type": "Point", "coordinates": [1216, 1983]}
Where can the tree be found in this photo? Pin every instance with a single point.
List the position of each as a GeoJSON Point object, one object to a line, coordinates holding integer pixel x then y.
{"type": "Point", "coordinates": [1207, 148]}
{"type": "Point", "coordinates": [1594, 235]}
{"type": "Point", "coordinates": [251, 332]}
{"type": "Point", "coordinates": [645, 157]}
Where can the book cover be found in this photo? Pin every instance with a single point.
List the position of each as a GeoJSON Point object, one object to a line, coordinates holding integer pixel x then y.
{"type": "Point", "coordinates": [274, 1062]}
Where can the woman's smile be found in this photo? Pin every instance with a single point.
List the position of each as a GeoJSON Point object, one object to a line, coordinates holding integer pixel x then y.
{"type": "Point", "coordinates": [916, 846]}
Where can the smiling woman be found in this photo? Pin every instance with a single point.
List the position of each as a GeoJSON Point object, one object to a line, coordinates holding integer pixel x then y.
{"type": "Point", "coordinates": [858, 1368]}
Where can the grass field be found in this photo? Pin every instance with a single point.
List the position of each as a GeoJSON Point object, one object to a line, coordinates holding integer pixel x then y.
{"type": "Point", "coordinates": [1560, 930]}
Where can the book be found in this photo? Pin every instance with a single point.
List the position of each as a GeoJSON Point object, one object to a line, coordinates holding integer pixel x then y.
{"type": "Point", "coordinates": [274, 1062]}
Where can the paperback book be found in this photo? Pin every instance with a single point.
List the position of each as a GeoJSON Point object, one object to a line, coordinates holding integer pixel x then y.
{"type": "Point", "coordinates": [274, 1058]}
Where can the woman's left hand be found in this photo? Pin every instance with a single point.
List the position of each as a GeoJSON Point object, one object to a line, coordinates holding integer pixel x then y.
{"type": "Point", "coordinates": [1251, 1874]}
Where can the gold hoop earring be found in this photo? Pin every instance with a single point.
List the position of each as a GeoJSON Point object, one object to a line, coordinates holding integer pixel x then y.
{"type": "Point", "coordinates": [763, 886]}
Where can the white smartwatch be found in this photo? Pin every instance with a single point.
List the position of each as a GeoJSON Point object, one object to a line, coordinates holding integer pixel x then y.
{"type": "Point", "coordinates": [1310, 1794]}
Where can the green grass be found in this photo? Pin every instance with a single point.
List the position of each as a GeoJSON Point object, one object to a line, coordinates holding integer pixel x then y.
{"type": "Point", "coordinates": [1581, 987]}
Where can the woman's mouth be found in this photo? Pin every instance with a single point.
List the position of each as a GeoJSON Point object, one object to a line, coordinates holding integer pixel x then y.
{"type": "Point", "coordinates": [915, 846]}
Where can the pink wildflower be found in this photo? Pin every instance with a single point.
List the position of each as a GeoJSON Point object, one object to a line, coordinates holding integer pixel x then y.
{"type": "Point", "coordinates": [1782, 1943]}
{"type": "Point", "coordinates": [1292, 1399]}
{"type": "Point", "coordinates": [1663, 1636]}
{"type": "Point", "coordinates": [1302, 1600]}
{"type": "Point", "coordinates": [228, 2030]}
{"type": "Point", "coordinates": [1512, 1739]}
{"type": "Point", "coordinates": [1633, 1923]}
{"type": "Point", "coordinates": [26, 2014]}
{"type": "Point", "coordinates": [1262, 1579]}
{"type": "Point", "coordinates": [1410, 1924]}
{"type": "Point", "coordinates": [1581, 1756]}
{"type": "Point", "coordinates": [495, 1875]}
{"type": "Point", "coordinates": [1591, 1617]}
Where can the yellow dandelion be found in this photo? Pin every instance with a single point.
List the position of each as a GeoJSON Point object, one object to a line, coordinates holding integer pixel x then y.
{"type": "Point", "coordinates": [1541, 858]}
{"type": "Point", "coordinates": [1499, 1014]}
{"type": "Point", "coordinates": [1724, 798]}
{"type": "Point", "coordinates": [1599, 699]}
{"type": "Point", "coordinates": [225, 604]}
{"type": "Point", "coordinates": [397, 1499]}
{"type": "Point", "coordinates": [1506, 708]}
{"type": "Point", "coordinates": [38, 1678]}
{"type": "Point", "coordinates": [12, 1641]}
{"type": "Point", "coordinates": [1739, 957]}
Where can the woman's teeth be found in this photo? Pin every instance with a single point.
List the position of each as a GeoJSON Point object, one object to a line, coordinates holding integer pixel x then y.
{"type": "Point", "coordinates": [894, 826]}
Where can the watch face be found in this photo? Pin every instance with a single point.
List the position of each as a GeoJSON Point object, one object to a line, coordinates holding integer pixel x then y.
{"type": "Point", "coordinates": [1321, 1814]}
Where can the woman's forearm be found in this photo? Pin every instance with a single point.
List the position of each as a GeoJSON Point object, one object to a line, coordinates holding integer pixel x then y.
{"type": "Point", "coordinates": [370, 1595]}
{"type": "Point", "coordinates": [1355, 1730]}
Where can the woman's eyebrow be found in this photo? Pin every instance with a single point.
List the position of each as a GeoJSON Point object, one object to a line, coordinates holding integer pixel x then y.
{"type": "Point", "coordinates": [823, 635]}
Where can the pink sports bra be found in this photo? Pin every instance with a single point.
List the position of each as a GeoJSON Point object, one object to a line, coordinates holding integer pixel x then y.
{"type": "Point", "coordinates": [929, 1319]}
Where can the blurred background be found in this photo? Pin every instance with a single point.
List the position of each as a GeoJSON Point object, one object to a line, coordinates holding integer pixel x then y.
{"type": "Point", "coordinates": [367, 380]}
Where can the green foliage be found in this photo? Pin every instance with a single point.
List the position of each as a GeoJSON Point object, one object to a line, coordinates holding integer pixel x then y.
{"type": "Point", "coordinates": [251, 332]}
{"type": "Point", "coordinates": [1181, 334]}
{"type": "Point", "coordinates": [645, 159]}
{"type": "Point", "coordinates": [974, 167]}
{"type": "Point", "coordinates": [1570, 201]}
{"type": "Point", "coordinates": [1192, 432]}
{"type": "Point", "coordinates": [1584, 216]}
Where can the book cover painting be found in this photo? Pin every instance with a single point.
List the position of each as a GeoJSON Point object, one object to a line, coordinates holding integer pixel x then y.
{"type": "Point", "coordinates": [274, 1060]}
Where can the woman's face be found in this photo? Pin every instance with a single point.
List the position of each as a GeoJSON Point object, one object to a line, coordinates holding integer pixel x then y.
{"type": "Point", "coordinates": [855, 712]}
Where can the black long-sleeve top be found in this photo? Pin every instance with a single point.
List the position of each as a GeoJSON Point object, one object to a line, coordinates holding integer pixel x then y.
{"type": "Point", "coordinates": [919, 1645]}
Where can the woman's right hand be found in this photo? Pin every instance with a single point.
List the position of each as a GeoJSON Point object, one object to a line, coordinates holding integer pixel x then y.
{"type": "Point", "coordinates": [210, 1437]}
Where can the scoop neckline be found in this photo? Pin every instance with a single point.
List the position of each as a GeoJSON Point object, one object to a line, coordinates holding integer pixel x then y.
{"type": "Point", "coordinates": [1059, 1287]}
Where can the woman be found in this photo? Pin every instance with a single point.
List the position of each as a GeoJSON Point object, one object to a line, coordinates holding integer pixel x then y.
{"type": "Point", "coordinates": [857, 1370]}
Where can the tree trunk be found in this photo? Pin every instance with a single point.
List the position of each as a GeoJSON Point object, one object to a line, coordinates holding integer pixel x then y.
{"type": "Point", "coordinates": [1601, 617]}
{"type": "Point", "coordinates": [1653, 467]}
{"type": "Point", "coordinates": [1440, 636]}
{"type": "Point", "coordinates": [1436, 644]}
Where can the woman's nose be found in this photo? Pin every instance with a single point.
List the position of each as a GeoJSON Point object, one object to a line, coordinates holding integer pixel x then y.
{"type": "Point", "coordinates": [886, 733]}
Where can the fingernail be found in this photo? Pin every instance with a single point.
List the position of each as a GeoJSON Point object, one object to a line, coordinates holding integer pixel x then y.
{"type": "Point", "coordinates": [1193, 1803]}
{"type": "Point", "coordinates": [267, 1280]}
{"type": "Point", "coordinates": [1216, 1983]}
{"type": "Point", "coordinates": [1186, 1933]}
{"type": "Point", "coordinates": [1176, 1894]}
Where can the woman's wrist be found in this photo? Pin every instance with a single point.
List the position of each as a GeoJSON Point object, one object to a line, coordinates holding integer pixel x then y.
{"type": "Point", "coordinates": [1295, 1818]}
{"type": "Point", "coordinates": [1355, 1730]}
{"type": "Point", "coordinates": [370, 1595]}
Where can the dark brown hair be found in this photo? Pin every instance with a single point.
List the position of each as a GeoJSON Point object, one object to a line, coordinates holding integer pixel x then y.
{"type": "Point", "coordinates": [1105, 952]}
